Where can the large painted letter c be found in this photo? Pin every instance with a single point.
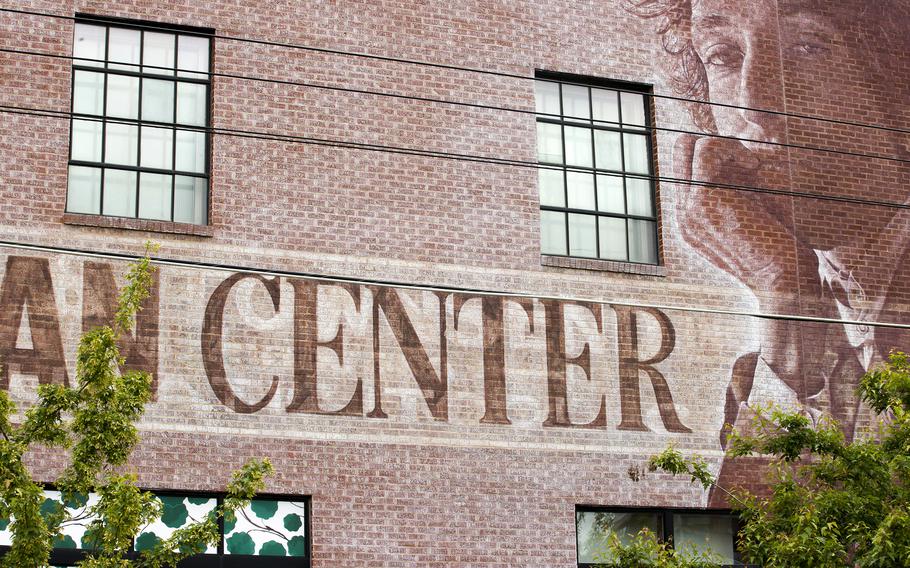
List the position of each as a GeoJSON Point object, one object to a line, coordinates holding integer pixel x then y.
{"type": "Point", "coordinates": [212, 355]}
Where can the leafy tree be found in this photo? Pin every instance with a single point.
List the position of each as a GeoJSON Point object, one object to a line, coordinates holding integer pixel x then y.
{"type": "Point", "coordinates": [831, 503]}
{"type": "Point", "coordinates": [95, 421]}
{"type": "Point", "coordinates": [645, 551]}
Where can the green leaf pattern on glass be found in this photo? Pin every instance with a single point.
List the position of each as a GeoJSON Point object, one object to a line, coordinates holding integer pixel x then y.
{"type": "Point", "coordinates": [240, 543]}
{"type": "Point", "coordinates": [176, 512]}
{"type": "Point", "coordinates": [50, 507]}
{"type": "Point", "coordinates": [65, 541]}
{"type": "Point", "coordinates": [73, 530]}
{"type": "Point", "coordinates": [6, 537]}
{"type": "Point", "coordinates": [273, 548]}
{"type": "Point", "coordinates": [147, 541]}
{"type": "Point", "coordinates": [268, 528]}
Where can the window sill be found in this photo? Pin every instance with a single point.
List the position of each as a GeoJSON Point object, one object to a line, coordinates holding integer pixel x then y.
{"type": "Point", "coordinates": [603, 265]}
{"type": "Point", "coordinates": [138, 224]}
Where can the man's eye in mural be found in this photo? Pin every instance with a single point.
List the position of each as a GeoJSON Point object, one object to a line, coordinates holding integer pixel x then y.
{"type": "Point", "coordinates": [809, 49]}
{"type": "Point", "coordinates": [724, 55]}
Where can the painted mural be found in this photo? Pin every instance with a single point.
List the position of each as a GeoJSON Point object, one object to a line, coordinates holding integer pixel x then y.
{"type": "Point", "coordinates": [822, 234]}
{"type": "Point", "coordinates": [302, 356]}
{"type": "Point", "coordinates": [813, 252]}
{"type": "Point", "coordinates": [330, 338]}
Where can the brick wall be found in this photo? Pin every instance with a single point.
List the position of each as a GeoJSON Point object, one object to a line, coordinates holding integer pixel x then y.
{"type": "Point", "coordinates": [419, 488]}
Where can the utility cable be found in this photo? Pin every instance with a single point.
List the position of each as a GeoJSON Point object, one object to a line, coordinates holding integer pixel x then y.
{"type": "Point", "coordinates": [583, 121]}
{"type": "Point", "coordinates": [100, 20]}
{"type": "Point", "coordinates": [203, 265]}
{"type": "Point", "coordinates": [290, 138]}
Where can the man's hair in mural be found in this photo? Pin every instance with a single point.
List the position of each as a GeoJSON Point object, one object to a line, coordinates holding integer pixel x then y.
{"type": "Point", "coordinates": [690, 79]}
{"type": "Point", "coordinates": [884, 19]}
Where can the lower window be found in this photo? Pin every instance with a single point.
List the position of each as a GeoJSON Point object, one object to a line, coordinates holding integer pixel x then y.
{"type": "Point", "coordinates": [272, 532]}
{"type": "Point", "coordinates": [695, 530]}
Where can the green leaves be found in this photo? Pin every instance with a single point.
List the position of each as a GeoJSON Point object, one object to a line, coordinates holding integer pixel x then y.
{"type": "Point", "coordinates": [193, 537]}
{"type": "Point", "coordinates": [891, 540]}
{"type": "Point", "coordinates": [888, 387]}
{"type": "Point", "coordinates": [832, 503]}
{"type": "Point", "coordinates": [44, 421]}
{"type": "Point", "coordinates": [673, 462]}
{"type": "Point", "coordinates": [7, 407]}
{"type": "Point", "coordinates": [185, 541]}
{"type": "Point", "coordinates": [245, 483]}
{"type": "Point", "coordinates": [32, 533]}
{"type": "Point", "coordinates": [132, 295]}
{"type": "Point", "coordinates": [645, 551]}
{"type": "Point", "coordinates": [122, 510]}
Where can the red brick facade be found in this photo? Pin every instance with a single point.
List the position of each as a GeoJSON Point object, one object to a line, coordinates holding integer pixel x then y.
{"type": "Point", "coordinates": [445, 425]}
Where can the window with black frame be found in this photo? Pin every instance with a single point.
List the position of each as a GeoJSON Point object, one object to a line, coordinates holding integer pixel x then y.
{"type": "Point", "coordinates": [597, 194]}
{"type": "Point", "coordinates": [139, 144]}
{"type": "Point", "coordinates": [695, 531]}
{"type": "Point", "coordinates": [271, 532]}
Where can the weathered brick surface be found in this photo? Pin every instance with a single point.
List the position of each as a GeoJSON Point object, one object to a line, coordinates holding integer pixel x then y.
{"type": "Point", "coordinates": [443, 479]}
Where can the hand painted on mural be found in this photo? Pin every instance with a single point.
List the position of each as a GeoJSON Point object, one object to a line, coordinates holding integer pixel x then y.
{"type": "Point", "coordinates": [797, 255]}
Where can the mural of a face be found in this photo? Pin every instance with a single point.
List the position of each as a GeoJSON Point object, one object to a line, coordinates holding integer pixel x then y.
{"type": "Point", "coordinates": [740, 53]}
{"type": "Point", "coordinates": [797, 256]}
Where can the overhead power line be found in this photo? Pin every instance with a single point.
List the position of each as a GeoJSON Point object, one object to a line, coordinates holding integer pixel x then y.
{"type": "Point", "coordinates": [339, 52]}
{"type": "Point", "coordinates": [202, 265]}
{"type": "Point", "coordinates": [366, 146]}
{"type": "Point", "coordinates": [535, 113]}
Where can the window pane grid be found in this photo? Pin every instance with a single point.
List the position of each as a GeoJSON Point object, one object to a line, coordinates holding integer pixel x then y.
{"type": "Point", "coordinates": [144, 99]}
{"type": "Point", "coordinates": [598, 214]}
{"type": "Point", "coordinates": [127, 71]}
{"type": "Point", "coordinates": [113, 166]}
{"type": "Point", "coordinates": [617, 157]}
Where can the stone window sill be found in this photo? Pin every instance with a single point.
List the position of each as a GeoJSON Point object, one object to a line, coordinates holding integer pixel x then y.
{"type": "Point", "coordinates": [603, 265]}
{"type": "Point", "coordinates": [138, 224]}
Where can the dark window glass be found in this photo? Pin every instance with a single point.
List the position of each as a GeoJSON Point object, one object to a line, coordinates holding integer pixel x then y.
{"type": "Point", "coordinates": [692, 532]}
{"type": "Point", "coordinates": [593, 529]}
{"type": "Point", "coordinates": [713, 534]}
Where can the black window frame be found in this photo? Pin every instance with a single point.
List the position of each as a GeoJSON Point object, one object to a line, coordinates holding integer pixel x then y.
{"type": "Point", "coordinates": [647, 91]}
{"type": "Point", "coordinates": [140, 73]}
{"type": "Point", "coordinates": [68, 557]}
{"type": "Point", "coordinates": [665, 515]}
